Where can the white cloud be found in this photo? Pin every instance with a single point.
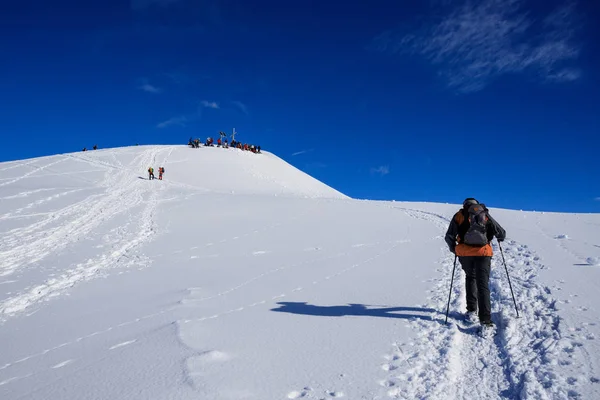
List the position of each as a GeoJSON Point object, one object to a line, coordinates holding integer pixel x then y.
{"type": "Point", "coordinates": [597, 199]}
{"type": "Point", "coordinates": [210, 104]}
{"type": "Point", "coordinates": [180, 121]}
{"type": "Point", "coordinates": [381, 170]}
{"type": "Point", "coordinates": [241, 106]}
{"type": "Point", "coordinates": [302, 152]}
{"type": "Point", "coordinates": [478, 41]}
{"type": "Point", "coordinates": [146, 87]}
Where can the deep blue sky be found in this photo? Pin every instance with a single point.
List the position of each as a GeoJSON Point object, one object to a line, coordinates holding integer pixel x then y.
{"type": "Point", "coordinates": [409, 100]}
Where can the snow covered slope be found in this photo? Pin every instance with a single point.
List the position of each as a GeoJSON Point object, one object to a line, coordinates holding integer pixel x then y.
{"type": "Point", "coordinates": [240, 277]}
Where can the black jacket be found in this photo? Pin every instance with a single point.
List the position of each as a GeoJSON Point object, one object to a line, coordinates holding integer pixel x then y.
{"type": "Point", "coordinates": [493, 229]}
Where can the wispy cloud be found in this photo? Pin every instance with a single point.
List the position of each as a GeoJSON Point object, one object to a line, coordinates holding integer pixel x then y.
{"type": "Point", "coordinates": [597, 199]}
{"type": "Point", "coordinates": [241, 106]}
{"type": "Point", "coordinates": [146, 87]}
{"type": "Point", "coordinates": [210, 104]}
{"type": "Point", "coordinates": [381, 170]}
{"type": "Point", "coordinates": [302, 152]}
{"type": "Point", "coordinates": [179, 121]}
{"type": "Point", "coordinates": [478, 41]}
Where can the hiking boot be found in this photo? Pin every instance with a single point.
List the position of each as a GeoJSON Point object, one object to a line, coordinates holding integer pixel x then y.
{"type": "Point", "coordinates": [487, 323]}
{"type": "Point", "coordinates": [471, 316]}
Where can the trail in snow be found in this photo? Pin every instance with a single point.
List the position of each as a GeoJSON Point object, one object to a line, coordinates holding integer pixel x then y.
{"type": "Point", "coordinates": [18, 212]}
{"type": "Point", "coordinates": [123, 194]}
{"type": "Point", "coordinates": [530, 357]}
{"type": "Point", "coordinates": [194, 300]}
{"type": "Point", "coordinates": [150, 226]}
{"type": "Point", "coordinates": [33, 171]}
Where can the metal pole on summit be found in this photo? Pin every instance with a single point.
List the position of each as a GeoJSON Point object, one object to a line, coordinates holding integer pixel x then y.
{"type": "Point", "coordinates": [508, 276]}
{"type": "Point", "coordinates": [450, 294]}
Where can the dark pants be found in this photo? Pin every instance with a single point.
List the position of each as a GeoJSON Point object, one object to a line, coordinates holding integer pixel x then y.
{"type": "Point", "coordinates": [477, 271]}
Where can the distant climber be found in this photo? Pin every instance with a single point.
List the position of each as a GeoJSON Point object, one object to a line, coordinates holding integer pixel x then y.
{"type": "Point", "coordinates": [84, 149]}
{"type": "Point", "coordinates": [161, 171]}
{"type": "Point", "coordinates": [95, 147]}
{"type": "Point", "coordinates": [150, 173]}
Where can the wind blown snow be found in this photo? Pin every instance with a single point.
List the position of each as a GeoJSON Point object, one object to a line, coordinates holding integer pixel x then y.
{"type": "Point", "coordinates": [240, 277]}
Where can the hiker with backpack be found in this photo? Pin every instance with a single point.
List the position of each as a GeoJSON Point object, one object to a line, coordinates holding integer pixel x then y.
{"type": "Point", "coordinates": [469, 237]}
{"type": "Point", "coordinates": [161, 171]}
{"type": "Point", "coordinates": [150, 173]}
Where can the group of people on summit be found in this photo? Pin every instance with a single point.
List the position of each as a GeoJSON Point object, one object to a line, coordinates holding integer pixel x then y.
{"type": "Point", "coordinates": [224, 143]}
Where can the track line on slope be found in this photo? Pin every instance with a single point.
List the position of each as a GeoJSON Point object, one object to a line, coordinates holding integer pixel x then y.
{"type": "Point", "coordinates": [32, 243]}
{"type": "Point", "coordinates": [35, 170]}
{"type": "Point", "coordinates": [152, 315]}
{"type": "Point", "coordinates": [279, 269]}
{"type": "Point", "coordinates": [39, 202]}
{"type": "Point", "coordinates": [120, 254]}
{"type": "Point", "coordinates": [524, 360]}
{"type": "Point", "coordinates": [117, 326]}
{"type": "Point", "coordinates": [297, 289]}
{"type": "Point", "coordinates": [560, 240]}
{"type": "Point", "coordinates": [19, 164]}
{"type": "Point", "coordinates": [25, 194]}
{"type": "Point", "coordinates": [95, 334]}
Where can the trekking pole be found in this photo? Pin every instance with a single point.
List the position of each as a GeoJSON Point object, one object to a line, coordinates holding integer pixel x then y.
{"type": "Point", "coordinates": [508, 276]}
{"type": "Point", "coordinates": [450, 294]}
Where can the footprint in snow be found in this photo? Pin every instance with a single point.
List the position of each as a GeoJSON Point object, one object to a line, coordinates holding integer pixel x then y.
{"type": "Point", "coordinates": [571, 380]}
{"type": "Point", "coordinates": [297, 394]}
{"type": "Point", "coordinates": [62, 364]}
{"type": "Point", "coordinates": [388, 367]}
{"type": "Point", "coordinates": [116, 346]}
{"type": "Point", "coordinates": [593, 261]}
{"type": "Point", "coordinates": [312, 249]}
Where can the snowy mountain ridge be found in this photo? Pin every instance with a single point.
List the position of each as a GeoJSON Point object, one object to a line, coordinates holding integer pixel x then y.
{"type": "Point", "coordinates": [240, 277]}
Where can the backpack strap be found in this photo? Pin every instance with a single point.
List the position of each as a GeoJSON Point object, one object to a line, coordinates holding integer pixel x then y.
{"type": "Point", "coordinates": [462, 220]}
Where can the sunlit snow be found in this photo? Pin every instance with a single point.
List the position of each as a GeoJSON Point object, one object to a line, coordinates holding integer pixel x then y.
{"type": "Point", "coordinates": [240, 277]}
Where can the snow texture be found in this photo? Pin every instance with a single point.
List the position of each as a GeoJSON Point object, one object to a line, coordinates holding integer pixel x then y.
{"type": "Point", "coordinates": [240, 277]}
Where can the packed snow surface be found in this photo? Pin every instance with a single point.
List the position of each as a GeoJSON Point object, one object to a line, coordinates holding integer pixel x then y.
{"type": "Point", "coordinates": [240, 277]}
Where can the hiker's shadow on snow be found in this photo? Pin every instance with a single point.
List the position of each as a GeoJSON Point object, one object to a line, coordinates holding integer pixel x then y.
{"type": "Point", "coordinates": [357, 310]}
